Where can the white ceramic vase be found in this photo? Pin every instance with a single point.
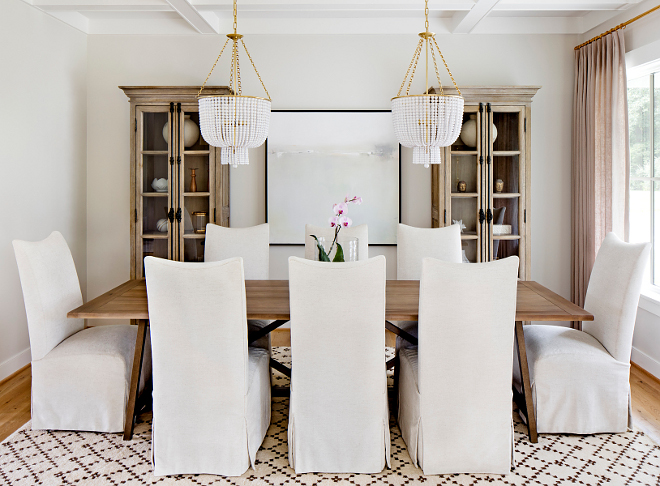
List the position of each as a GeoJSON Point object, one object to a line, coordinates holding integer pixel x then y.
{"type": "Point", "coordinates": [469, 132]}
{"type": "Point", "coordinates": [190, 132]}
{"type": "Point", "coordinates": [161, 225]}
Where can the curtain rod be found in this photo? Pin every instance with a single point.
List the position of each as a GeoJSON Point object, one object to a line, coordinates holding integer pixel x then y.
{"type": "Point", "coordinates": [620, 26]}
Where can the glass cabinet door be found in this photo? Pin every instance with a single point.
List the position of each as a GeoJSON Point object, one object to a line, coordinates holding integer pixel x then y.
{"type": "Point", "coordinates": [197, 184]}
{"type": "Point", "coordinates": [153, 186]}
{"type": "Point", "coordinates": [464, 184]}
{"type": "Point", "coordinates": [505, 180]}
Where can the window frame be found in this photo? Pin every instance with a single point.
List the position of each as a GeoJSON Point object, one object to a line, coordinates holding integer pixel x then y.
{"type": "Point", "coordinates": [650, 73]}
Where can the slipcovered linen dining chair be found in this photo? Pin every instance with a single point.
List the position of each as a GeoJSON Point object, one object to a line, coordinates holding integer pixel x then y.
{"type": "Point", "coordinates": [253, 246]}
{"type": "Point", "coordinates": [415, 244]}
{"type": "Point", "coordinates": [338, 411]}
{"type": "Point", "coordinates": [211, 392]}
{"type": "Point", "coordinates": [80, 376]}
{"type": "Point", "coordinates": [455, 386]}
{"type": "Point", "coordinates": [581, 379]}
{"type": "Point", "coordinates": [361, 232]}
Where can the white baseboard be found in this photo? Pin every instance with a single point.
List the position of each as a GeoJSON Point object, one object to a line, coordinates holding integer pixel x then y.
{"type": "Point", "coordinates": [645, 361]}
{"type": "Point", "coordinates": [14, 363]}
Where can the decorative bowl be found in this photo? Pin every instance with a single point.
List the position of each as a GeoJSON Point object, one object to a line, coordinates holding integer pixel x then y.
{"type": "Point", "coordinates": [159, 185]}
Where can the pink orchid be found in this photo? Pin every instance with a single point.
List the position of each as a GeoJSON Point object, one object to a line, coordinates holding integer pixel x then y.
{"type": "Point", "coordinates": [334, 221]}
{"type": "Point", "coordinates": [340, 208]}
{"type": "Point", "coordinates": [345, 222]}
{"type": "Point", "coordinates": [357, 200]}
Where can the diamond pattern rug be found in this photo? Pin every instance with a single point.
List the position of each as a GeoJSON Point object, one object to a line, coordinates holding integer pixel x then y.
{"type": "Point", "coordinates": [31, 457]}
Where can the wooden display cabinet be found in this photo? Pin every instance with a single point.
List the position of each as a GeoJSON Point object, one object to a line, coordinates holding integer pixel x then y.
{"type": "Point", "coordinates": [169, 221]}
{"type": "Point", "coordinates": [498, 223]}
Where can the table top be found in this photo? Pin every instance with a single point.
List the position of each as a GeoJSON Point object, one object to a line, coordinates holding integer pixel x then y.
{"type": "Point", "coordinates": [269, 299]}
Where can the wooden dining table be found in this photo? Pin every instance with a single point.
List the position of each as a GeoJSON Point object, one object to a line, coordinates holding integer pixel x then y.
{"type": "Point", "coordinates": [269, 300]}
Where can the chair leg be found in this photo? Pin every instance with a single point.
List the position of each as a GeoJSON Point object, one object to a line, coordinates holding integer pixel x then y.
{"type": "Point", "coordinates": [529, 411]}
{"type": "Point", "coordinates": [135, 379]}
{"type": "Point", "coordinates": [395, 401]}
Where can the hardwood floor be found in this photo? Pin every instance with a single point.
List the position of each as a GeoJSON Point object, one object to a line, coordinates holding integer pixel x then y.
{"type": "Point", "coordinates": [645, 390]}
{"type": "Point", "coordinates": [15, 397]}
{"type": "Point", "coordinates": [14, 401]}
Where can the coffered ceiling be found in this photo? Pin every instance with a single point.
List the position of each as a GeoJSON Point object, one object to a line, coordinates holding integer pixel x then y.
{"type": "Point", "coordinates": [332, 16]}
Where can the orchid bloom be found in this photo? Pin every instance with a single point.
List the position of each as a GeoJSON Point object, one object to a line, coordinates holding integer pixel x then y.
{"type": "Point", "coordinates": [340, 208]}
{"type": "Point", "coordinates": [334, 221]}
{"type": "Point", "coordinates": [354, 199]}
{"type": "Point", "coordinates": [345, 222]}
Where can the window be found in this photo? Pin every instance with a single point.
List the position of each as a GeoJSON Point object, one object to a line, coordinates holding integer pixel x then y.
{"type": "Point", "coordinates": [644, 132]}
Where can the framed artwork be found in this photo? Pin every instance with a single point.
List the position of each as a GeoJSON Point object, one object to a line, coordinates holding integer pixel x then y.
{"type": "Point", "coordinates": [315, 158]}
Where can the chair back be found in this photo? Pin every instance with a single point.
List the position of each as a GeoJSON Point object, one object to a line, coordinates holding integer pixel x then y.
{"type": "Point", "coordinates": [338, 419]}
{"type": "Point", "coordinates": [613, 294]}
{"type": "Point", "coordinates": [361, 232]}
{"type": "Point", "coordinates": [198, 325]}
{"type": "Point", "coordinates": [251, 244]}
{"type": "Point", "coordinates": [50, 290]}
{"type": "Point", "coordinates": [465, 361]}
{"type": "Point", "coordinates": [415, 244]}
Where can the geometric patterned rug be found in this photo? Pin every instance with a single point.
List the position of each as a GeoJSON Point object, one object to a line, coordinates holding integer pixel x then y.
{"type": "Point", "coordinates": [30, 457]}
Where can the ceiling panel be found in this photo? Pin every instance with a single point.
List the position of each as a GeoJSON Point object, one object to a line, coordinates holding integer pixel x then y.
{"type": "Point", "coordinates": [330, 16]}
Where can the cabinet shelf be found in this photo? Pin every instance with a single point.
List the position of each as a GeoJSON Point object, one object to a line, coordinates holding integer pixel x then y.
{"type": "Point", "coordinates": [464, 194]}
{"type": "Point", "coordinates": [196, 194]}
{"type": "Point", "coordinates": [464, 152]}
{"type": "Point", "coordinates": [194, 236]}
{"type": "Point", "coordinates": [505, 153]}
{"type": "Point", "coordinates": [503, 195]}
{"type": "Point", "coordinates": [506, 237]}
{"type": "Point", "coordinates": [154, 194]}
{"type": "Point", "coordinates": [469, 235]}
{"type": "Point", "coordinates": [154, 235]}
{"type": "Point", "coordinates": [154, 152]}
{"type": "Point", "coordinates": [196, 152]}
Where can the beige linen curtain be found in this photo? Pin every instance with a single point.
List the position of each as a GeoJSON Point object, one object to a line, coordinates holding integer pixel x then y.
{"type": "Point", "coordinates": [600, 161]}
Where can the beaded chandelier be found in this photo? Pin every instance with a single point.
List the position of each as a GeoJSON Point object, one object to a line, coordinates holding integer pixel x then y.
{"type": "Point", "coordinates": [429, 121]}
{"type": "Point", "coordinates": [234, 122]}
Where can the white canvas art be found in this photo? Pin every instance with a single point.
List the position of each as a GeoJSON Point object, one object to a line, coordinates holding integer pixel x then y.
{"type": "Point", "coordinates": [315, 159]}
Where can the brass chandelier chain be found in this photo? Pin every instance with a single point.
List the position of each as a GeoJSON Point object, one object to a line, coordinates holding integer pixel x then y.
{"type": "Point", "coordinates": [255, 69]}
{"type": "Point", "coordinates": [419, 46]}
{"type": "Point", "coordinates": [426, 38]}
{"type": "Point", "coordinates": [235, 70]}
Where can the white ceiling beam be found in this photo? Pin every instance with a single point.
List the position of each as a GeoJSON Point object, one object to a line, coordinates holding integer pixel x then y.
{"type": "Point", "coordinates": [211, 18]}
{"type": "Point", "coordinates": [465, 23]}
{"type": "Point", "coordinates": [198, 21]}
{"type": "Point", "coordinates": [73, 18]}
{"type": "Point", "coordinates": [97, 5]}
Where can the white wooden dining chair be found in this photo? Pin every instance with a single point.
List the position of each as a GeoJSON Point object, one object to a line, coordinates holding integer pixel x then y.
{"type": "Point", "coordinates": [80, 376]}
{"type": "Point", "coordinates": [415, 244]}
{"type": "Point", "coordinates": [455, 386]}
{"type": "Point", "coordinates": [581, 379]}
{"type": "Point", "coordinates": [361, 232]}
{"type": "Point", "coordinates": [338, 411]}
{"type": "Point", "coordinates": [211, 392]}
{"type": "Point", "coordinates": [253, 246]}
